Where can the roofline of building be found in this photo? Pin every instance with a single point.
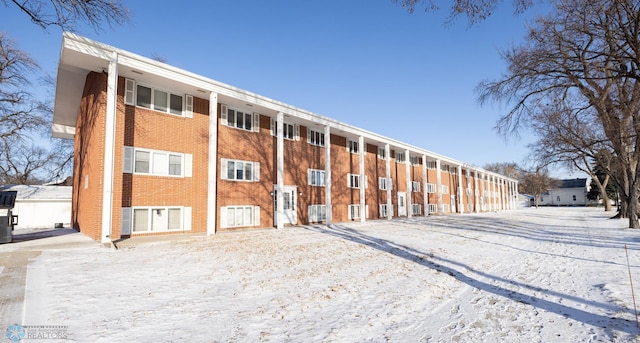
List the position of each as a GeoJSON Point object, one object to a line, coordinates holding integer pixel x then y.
{"type": "Point", "coordinates": [80, 55]}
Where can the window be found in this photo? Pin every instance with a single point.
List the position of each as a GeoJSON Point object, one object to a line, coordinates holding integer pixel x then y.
{"type": "Point", "coordinates": [433, 208]}
{"type": "Point", "coordinates": [291, 131]}
{"type": "Point", "coordinates": [355, 213]}
{"type": "Point", "coordinates": [315, 137]}
{"type": "Point", "coordinates": [317, 177]}
{"type": "Point", "coordinates": [157, 219]}
{"type": "Point", "coordinates": [415, 186]}
{"type": "Point", "coordinates": [353, 146]}
{"type": "Point", "coordinates": [385, 183]}
{"type": "Point", "coordinates": [157, 100]}
{"type": "Point", "coordinates": [445, 208]}
{"type": "Point", "coordinates": [445, 189]}
{"type": "Point", "coordinates": [574, 198]}
{"type": "Point", "coordinates": [414, 160]}
{"type": "Point", "coordinates": [353, 181]}
{"type": "Point", "coordinates": [416, 209]}
{"type": "Point", "coordinates": [431, 164]}
{"type": "Point", "coordinates": [385, 210]}
{"type": "Point", "coordinates": [444, 167]}
{"type": "Point", "coordinates": [239, 216]}
{"type": "Point", "coordinates": [239, 170]}
{"type": "Point", "coordinates": [317, 213]}
{"type": "Point", "coordinates": [400, 158]}
{"type": "Point", "coordinates": [156, 162]}
{"type": "Point", "coordinates": [431, 187]}
{"type": "Point", "coordinates": [240, 119]}
{"type": "Point", "coordinates": [382, 153]}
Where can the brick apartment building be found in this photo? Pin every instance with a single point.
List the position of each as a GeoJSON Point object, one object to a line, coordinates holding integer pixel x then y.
{"type": "Point", "coordinates": [161, 150]}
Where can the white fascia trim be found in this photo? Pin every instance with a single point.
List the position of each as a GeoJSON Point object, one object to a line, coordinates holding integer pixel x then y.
{"type": "Point", "coordinates": [144, 64]}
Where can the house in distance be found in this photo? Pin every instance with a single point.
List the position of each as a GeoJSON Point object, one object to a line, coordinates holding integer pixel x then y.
{"type": "Point", "coordinates": [162, 150]}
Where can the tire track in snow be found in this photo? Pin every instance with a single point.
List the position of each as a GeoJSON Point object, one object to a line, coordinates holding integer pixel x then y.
{"type": "Point", "coordinates": [544, 285]}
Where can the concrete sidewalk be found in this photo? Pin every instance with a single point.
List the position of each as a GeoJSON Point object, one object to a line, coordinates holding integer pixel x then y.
{"type": "Point", "coordinates": [14, 261]}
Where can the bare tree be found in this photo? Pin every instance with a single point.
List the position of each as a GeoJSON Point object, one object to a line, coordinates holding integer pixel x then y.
{"type": "Point", "coordinates": [19, 112]}
{"type": "Point", "coordinates": [536, 183]}
{"type": "Point", "coordinates": [587, 55]}
{"type": "Point", "coordinates": [573, 138]}
{"type": "Point", "coordinates": [24, 165]}
{"type": "Point", "coordinates": [68, 14]}
{"type": "Point", "coordinates": [508, 169]}
{"type": "Point", "coordinates": [22, 118]}
{"type": "Point", "coordinates": [475, 10]}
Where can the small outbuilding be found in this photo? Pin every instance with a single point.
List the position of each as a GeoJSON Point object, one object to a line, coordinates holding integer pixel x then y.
{"type": "Point", "coordinates": [39, 206]}
{"type": "Point", "coordinates": [570, 192]}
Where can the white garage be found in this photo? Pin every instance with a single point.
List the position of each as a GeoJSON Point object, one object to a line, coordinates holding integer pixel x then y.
{"type": "Point", "coordinates": [40, 206]}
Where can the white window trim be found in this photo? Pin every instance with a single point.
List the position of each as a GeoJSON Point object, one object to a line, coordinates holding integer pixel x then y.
{"type": "Point", "coordinates": [131, 98]}
{"type": "Point", "coordinates": [385, 183]}
{"type": "Point", "coordinates": [317, 213]}
{"type": "Point", "coordinates": [311, 179]}
{"type": "Point", "coordinates": [129, 161]}
{"type": "Point", "coordinates": [384, 210]}
{"type": "Point", "coordinates": [431, 165]}
{"type": "Point", "coordinates": [351, 177]}
{"type": "Point", "coordinates": [400, 157]}
{"type": "Point", "coordinates": [294, 127]}
{"type": "Point", "coordinates": [224, 118]}
{"type": "Point", "coordinates": [255, 170]}
{"type": "Point", "coordinates": [224, 213]}
{"type": "Point", "coordinates": [353, 146]}
{"type": "Point", "coordinates": [431, 188]}
{"type": "Point", "coordinates": [312, 133]}
{"type": "Point", "coordinates": [415, 186]}
{"type": "Point", "coordinates": [433, 208]}
{"type": "Point", "coordinates": [414, 160]}
{"type": "Point", "coordinates": [352, 206]}
{"type": "Point", "coordinates": [382, 153]}
{"type": "Point", "coordinates": [445, 189]}
{"type": "Point", "coordinates": [126, 227]}
{"type": "Point", "coordinates": [416, 209]}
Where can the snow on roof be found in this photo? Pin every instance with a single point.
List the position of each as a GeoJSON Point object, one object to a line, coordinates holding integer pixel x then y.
{"type": "Point", "coordinates": [39, 192]}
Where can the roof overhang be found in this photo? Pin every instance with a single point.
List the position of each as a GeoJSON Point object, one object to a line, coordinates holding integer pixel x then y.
{"type": "Point", "coordinates": [80, 55]}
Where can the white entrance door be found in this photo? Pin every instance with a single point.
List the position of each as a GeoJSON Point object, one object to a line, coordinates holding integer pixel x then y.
{"type": "Point", "coordinates": [402, 204]}
{"type": "Point", "coordinates": [453, 204]}
{"type": "Point", "coordinates": [289, 205]}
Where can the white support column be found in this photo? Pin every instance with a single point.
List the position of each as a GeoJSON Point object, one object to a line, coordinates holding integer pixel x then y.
{"type": "Point", "coordinates": [363, 181]}
{"type": "Point", "coordinates": [492, 188]}
{"type": "Point", "coordinates": [212, 209]}
{"type": "Point", "coordinates": [476, 192]}
{"type": "Point", "coordinates": [407, 163]}
{"type": "Point", "coordinates": [500, 194]}
{"type": "Point", "coordinates": [460, 191]}
{"type": "Point", "coordinates": [424, 185]}
{"type": "Point", "coordinates": [387, 161]}
{"type": "Point", "coordinates": [327, 170]}
{"type": "Point", "coordinates": [483, 192]}
{"type": "Point", "coordinates": [439, 185]}
{"type": "Point", "coordinates": [469, 191]}
{"type": "Point", "coordinates": [109, 149]}
{"type": "Point", "coordinates": [280, 171]}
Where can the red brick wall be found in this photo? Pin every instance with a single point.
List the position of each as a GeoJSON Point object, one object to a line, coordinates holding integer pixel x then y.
{"type": "Point", "coordinates": [89, 158]}
{"type": "Point", "coordinates": [142, 128]}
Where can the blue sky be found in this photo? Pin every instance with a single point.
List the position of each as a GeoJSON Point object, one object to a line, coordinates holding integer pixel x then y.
{"type": "Point", "coordinates": [368, 63]}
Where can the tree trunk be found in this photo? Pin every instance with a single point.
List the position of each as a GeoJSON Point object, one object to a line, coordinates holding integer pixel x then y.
{"type": "Point", "coordinates": [633, 215]}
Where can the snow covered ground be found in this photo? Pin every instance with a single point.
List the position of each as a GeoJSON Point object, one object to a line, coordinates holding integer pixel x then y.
{"type": "Point", "coordinates": [531, 275]}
